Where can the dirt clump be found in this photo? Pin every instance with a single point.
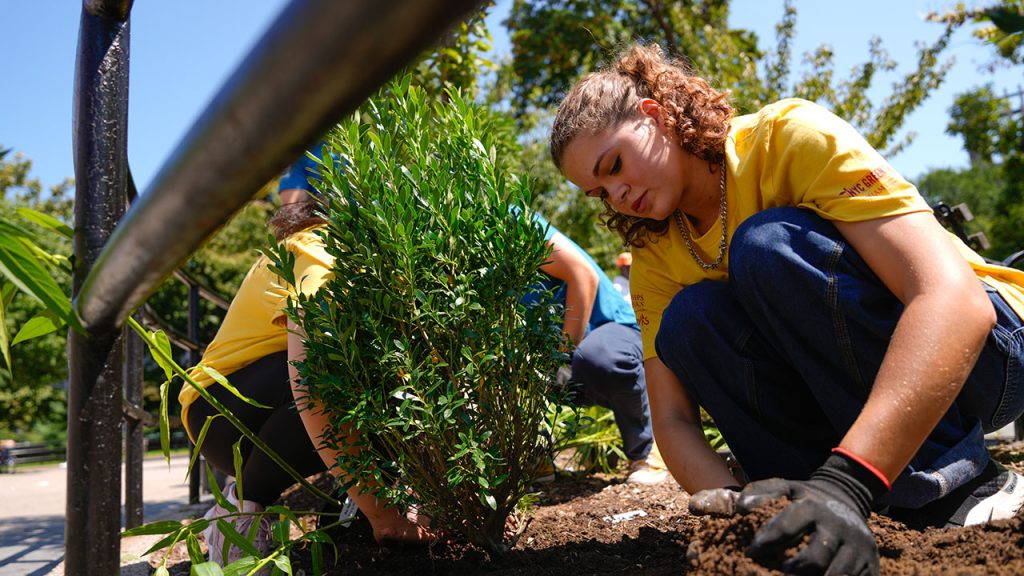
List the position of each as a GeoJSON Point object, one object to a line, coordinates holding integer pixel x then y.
{"type": "Point", "coordinates": [719, 545]}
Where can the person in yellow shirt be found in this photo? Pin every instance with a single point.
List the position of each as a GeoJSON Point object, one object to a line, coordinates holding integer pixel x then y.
{"type": "Point", "coordinates": [787, 279]}
{"type": "Point", "coordinates": [252, 349]}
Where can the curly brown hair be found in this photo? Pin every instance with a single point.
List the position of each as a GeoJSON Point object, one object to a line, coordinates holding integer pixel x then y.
{"type": "Point", "coordinates": [695, 113]}
{"type": "Point", "coordinates": [295, 217]}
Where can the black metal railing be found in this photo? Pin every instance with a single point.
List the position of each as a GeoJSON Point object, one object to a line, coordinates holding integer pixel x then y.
{"type": "Point", "coordinates": [319, 60]}
{"type": "Point", "coordinates": [136, 418]}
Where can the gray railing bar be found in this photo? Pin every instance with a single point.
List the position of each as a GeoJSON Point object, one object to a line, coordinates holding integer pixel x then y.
{"type": "Point", "coordinates": [319, 60]}
{"type": "Point", "coordinates": [207, 293]}
{"type": "Point", "coordinates": [136, 420]}
{"type": "Point", "coordinates": [134, 413]}
{"type": "Point", "coordinates": [151, 320]}
{"type": "Point", "coordinates": [187, 279]}
{"type": "Point", "coordinates": [95, 364]}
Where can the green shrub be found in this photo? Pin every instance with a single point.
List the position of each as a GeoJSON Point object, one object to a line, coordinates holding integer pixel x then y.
{"type": "Point", "coordinates": [419, 342]}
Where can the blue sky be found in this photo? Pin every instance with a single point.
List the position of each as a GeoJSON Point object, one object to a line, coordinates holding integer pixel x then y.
{"type": "Point", "coordinates": [182, 51]}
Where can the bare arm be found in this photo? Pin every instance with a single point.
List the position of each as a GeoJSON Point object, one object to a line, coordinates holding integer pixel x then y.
{"type": "Point", "coordinates": [946, 319]}
{"type": "Point", "coordinates": [568, 265]}
{"type": "Point", "coordinates": [388, 523]}
{"type": "Point", "coordinates": [677, 428]}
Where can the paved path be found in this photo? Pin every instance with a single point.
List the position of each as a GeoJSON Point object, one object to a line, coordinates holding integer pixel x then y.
{"type": "Point", "coordinates": [32, 511]}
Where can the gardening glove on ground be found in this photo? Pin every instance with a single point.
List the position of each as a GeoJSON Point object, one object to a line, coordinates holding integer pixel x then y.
{"type": "Point", "coordinates": [563, 377]}
{"type": "Point", "coordinates": [832, 508]}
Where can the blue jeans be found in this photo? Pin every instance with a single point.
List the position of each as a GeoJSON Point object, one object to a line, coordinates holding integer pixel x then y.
{"type": "Point", "coordinates": [608, 370]}
{"type": "Point", "coordinates": [784, 354]}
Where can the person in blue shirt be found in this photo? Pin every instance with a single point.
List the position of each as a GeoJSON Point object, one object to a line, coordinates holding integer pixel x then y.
{"type": "Point", "coordinates": [607, 361]}
{"type": "Point", "coordinates": [293, 185]}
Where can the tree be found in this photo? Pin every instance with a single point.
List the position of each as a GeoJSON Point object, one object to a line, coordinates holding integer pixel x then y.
{"type": "Point", "coordinates": [1000, 24]}
{"type": "Point", "coordinates": [554, 42]}
{"type": "Point", "coordinates": [980, 187]}
{"type": "Point", "coordinates": [32, 404]}
{"type": "Point", "coordinates": [985, 123]}
{"type": "Point", "coordinates": [991, 187]}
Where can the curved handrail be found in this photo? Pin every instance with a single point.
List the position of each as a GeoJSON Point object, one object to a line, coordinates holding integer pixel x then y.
{"type": "Point", "coordinates": [187, 279]}
{"type": "Point", "coordinates": [319, 60]}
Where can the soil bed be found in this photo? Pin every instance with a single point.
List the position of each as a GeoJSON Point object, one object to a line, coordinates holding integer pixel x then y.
{"type": "Point", "coordinates": [572, 529]}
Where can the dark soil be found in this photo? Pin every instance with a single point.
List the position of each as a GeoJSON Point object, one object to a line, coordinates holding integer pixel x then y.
{"type": "Point", "coordinates": [571, 530]}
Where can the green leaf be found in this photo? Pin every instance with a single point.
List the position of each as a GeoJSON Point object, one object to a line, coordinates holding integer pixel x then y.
{"type": "Point", "coordinates": [319, 536]}
{"type": "Point", "coordinates": [231, 535]}
{"type": "Point", "coordinates": [317, 555]}
{"type": "Point", "coordinates": [23, 269]}
{"type": "Point", "coordinates": [7, 291]}
{"type": "Point", "coordinates": [160, 348]}
{"type": "Point", "coordinates": [283, 564]}
{"type": "Point", "coordinates": [286, 512]}
{"type": "Point", "coordinates": [281, 532]}
{"type": "Point", "coordinates": [165, 429]}
{"type": "Point", "coordinates": [220, 379]}
{"type": "Point", "coordinates": [236, 455]}
{"type": "Point", "coordinates": [206, 569]}
{"type": "Point", "coordinates": [39, 325]}
{"type": "Point", "coordinates": [195, 553]}
{"type": "Point", "coordinates": [161, 527]}
{"type": "Point", "coordinates": [217, 494]}
{"type": "Point", "coordinates": [167, 542]}
{"type": "Point", "coordinates": [1006, 20]}
{"type": "Point", "coordinates": [198, 525]}
{"type": "Point", "coordinates": [47, 221]}
{"type": "Point", "coordinates": [243, 565]}
{"type": "Point", "coordinates": [199, 443]}
{"type": "Point", "coordinates": [488, 499]}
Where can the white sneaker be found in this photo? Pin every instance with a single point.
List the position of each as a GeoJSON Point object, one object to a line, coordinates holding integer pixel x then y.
{"type": "Point", "coordinates": [649, 471]}
{"type": "Point", "coordinates": [998, 499]}
{"type": "Point", "coordinates": [545, 473]}
{"type": "Point", "coordinates": [262, 539]}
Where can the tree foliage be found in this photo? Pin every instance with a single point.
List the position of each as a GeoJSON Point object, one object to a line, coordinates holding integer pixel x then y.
{"type": "Point", "coordinates": [1000, 23]}
{"type": "Point", "coordinates": [992, 131]}
{"type": "Point", "coordinates": [985, 123]}
{"type": "Point", "coordinates": [554, 42]}
{"type": "Point", "coordinates": [32, 387]}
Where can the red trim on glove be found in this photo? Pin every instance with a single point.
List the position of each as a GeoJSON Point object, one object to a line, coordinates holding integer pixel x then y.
{"type": "Point", "coordinates": [865, 464]}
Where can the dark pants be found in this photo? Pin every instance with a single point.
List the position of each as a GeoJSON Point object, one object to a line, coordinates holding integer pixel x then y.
{"type": "Point", "coordinates": [784, 354]}
{"type": "Point", "coordinates": [608, 367]}
{"type": "Point", "coordinates": [266, 382]}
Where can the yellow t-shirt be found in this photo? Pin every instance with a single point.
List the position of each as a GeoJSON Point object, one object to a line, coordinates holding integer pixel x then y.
{"type": "Point", "coordinates": [255, 324]}
{"type": "Point", "coordinates": [790, 153]}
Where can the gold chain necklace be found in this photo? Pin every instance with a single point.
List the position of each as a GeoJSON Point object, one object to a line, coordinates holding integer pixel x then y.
{"type": "Point", "coordinates": [723, 244]}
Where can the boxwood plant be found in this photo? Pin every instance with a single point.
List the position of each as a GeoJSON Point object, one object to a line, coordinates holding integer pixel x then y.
{"type": "Point", "coordinates": [420, 342]}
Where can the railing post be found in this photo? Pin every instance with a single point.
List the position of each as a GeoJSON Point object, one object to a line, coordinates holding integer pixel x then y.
{"type": "Point", "coordinates": [135, 440]}
{"type": "Point", "coordinates": [92, 522]}
{"type": "Point", "coordinates": [193, 359]}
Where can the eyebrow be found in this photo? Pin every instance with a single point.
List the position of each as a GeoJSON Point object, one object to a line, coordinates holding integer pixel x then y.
{"type": "Point", "coordinates": [599, 158]}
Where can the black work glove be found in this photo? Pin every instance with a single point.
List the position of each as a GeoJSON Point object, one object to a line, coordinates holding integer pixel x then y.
{"type": "Point", "coordinates": [832, 507]}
